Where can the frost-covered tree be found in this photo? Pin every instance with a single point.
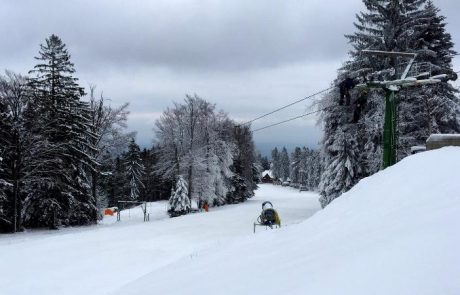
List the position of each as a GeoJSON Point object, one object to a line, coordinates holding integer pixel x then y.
{"type": "Point", "coordinates": [134, 170]}
{"type": "Point", "coordinates": [179, 202]}
{"type": "Point", "coordinates": [205, 147]}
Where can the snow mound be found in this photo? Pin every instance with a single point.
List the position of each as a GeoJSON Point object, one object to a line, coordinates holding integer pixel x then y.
{"type": "Point", "coordinates": [396, 232]}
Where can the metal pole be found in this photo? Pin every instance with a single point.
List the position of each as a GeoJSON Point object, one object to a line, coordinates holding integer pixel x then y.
{"type": "Point", "coordinates": [389, 130]}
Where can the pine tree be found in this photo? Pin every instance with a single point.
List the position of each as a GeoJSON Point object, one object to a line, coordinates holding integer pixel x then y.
{"type": "Point", "coordinates": [265, 163]}
{"type": "Point", "coordinates": [65, 195]}
{"type": "Point", "coordinates": [340, 152]}
{"type": "Point", "coordinates": [341, 173]}
{"type": "Point", "coordinates": [276, 164]}
{"type": "Point", "coordinates": [245, 174]}
{"type": "Point", "coordinates": [294, 168]}
{"type": "Point", "coordinates": [284, 163]}
{"type": "Point", "coordinates": [431, 108]}
{"type": "Point", "coordinates": [116, 182]}
{"type": "Point", "coordinates": [179, 202]}
{"type": "Point", "coordinates": [134, 170]}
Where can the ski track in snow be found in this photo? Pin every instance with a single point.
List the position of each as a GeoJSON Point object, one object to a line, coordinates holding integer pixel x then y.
{"type": "Point", "coordinates": [101, 259]}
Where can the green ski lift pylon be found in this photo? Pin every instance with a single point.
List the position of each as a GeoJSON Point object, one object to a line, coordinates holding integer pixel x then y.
{"type": "Point", "coordinates": [391, 88]}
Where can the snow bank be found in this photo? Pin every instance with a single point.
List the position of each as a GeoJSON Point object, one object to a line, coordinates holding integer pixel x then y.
{"type": "Point", "coordinates": [396, 232]}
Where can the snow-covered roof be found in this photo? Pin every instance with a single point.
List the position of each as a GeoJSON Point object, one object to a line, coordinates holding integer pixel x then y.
{"type": "Point", "coordinates": [269, 172]}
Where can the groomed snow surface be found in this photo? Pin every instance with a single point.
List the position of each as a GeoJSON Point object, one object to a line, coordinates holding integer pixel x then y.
{"type": "Point", "coordinates": [397, 232]}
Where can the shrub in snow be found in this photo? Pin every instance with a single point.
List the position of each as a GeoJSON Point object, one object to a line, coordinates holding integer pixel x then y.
{"type": "Point", "coordinates": [179, 203]}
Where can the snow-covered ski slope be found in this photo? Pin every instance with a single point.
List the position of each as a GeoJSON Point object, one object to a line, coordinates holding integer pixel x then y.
{"type": "Point", "coordinates": [397, 232]}
{"type": "Point", "coordinates": [102, 259]}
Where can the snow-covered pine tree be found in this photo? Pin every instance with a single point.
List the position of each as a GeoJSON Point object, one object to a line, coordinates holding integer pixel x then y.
{"type": "Point", "coordinates": [315, 170]}
{"type": "Point", "coordinates": [303, 167]}
{"type": "Point", "coordinates": [294, 169]}
{"type": "Point", "coordinates": [276, 163]}
{"type": "Point", "coordinates": [265, 163]}
{"type": "Point", "coordinates": [431, 108]}
{"type": "Point", "coordinates": [339, 150]}
{"type": "Point", "coordinates": [387, 26]}
{"type": "Point", "coordinates": [307, 168]}
{"type": "Point", "coordinates": [340, 172]}
{"type": "Point", "coordinates": [284, 163]}
{"type": "Point", "coordinates": [244, 179]}
{"type": "Point", "coordinates": [179, 202]}
{"type": "Point", "coordinates": [134, 170]}
{"type": "Point", "coordinates": [64, 121]}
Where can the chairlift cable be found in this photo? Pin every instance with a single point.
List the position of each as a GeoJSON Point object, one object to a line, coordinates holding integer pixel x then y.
{"type": "Point", "coordinates": [288, 105]}
{"type": "Point", "coordinates": [292, 119]}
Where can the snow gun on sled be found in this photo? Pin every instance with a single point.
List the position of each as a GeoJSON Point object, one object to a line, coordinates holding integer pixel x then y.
{"type": "Point", "coordinates": [268, 217]}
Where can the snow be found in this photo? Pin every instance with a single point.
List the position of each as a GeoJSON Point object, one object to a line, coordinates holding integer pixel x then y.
{"type": "Point", "coordinates": [394, 233]}
{"type": "Point", "coordinates": [101, 259]}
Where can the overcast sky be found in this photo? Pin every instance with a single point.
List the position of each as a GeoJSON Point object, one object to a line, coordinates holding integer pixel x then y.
{"type": "Point", "coordinates": [248, 57]}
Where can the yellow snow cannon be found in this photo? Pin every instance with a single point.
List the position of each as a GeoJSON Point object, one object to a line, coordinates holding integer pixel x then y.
{"type": "Point", "coordinates": [268, 217]}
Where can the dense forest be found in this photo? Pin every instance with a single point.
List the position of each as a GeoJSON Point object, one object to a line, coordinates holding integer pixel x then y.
{"type": "Point", "coordinates": [303, 167]}
{"type": "Point", "coordinates": [65, 153]}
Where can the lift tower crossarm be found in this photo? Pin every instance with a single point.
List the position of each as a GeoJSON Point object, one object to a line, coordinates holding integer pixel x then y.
{"type": "Point", "coordinates": [410, 55]}
{"type": "Point", "coordinates": [389, 53]}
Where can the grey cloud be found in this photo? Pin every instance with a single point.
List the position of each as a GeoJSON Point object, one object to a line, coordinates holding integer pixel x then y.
{"type": "Point", "coordinates": [248, 57]}
{"type": "Point", "coordinates": [184, 35]}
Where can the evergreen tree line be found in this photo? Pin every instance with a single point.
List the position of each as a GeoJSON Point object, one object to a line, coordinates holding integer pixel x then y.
{"type": "Point", "coordinates": [352, 151]}
{"type": "Point", "coordinates": [303, 167]}
{"type": "Point", "coordinates": [206, 152]}
{"type": "Point", "coordinates": [55, 141]}
{"type": "Point", "coordinates": [131, 176]}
